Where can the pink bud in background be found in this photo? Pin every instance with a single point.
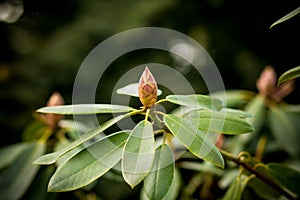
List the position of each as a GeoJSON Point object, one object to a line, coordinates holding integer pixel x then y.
{"type": "Point", "coordinates": [52, 119]}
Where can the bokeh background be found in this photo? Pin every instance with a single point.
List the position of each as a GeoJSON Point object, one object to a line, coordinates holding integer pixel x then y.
{"type": "Point", "coordinates": [41, 51]}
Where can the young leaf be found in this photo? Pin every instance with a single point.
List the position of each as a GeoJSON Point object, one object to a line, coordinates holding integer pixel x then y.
{"type": "Point", "coordinates": [132, 90]}
{"type": "Point", "coordinates": [15, 180]}
{"type": "Point", "coordinates": [89, 164]}
{"type": "Point", "coordinates": [290, 74]}
{"type": "Point", "coordinates": [196, 101]}
{"type": "Point", "coordinates": [138, 153]}
{"type": "Point", "coordinates": [83, 109]}
{"type": "Point", "coordinates": [159, 180]}
{"type": "Point", "coordinates": [52, 157]}
{"type": "Point", "coordinates": [219, 122]}
{"type": "Point", "coordinates": [196, 141]}
{"type": "Point", "coordinates": [287, 17]}
{"type": "Point", "coordinates": [284, 131]}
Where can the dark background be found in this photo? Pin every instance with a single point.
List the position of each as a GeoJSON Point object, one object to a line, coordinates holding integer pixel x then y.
{"type": "Point", "coordinates": [42, 51]}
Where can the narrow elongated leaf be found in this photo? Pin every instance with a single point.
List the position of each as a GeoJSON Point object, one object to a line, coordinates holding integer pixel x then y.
{"type": "Point", "coordinates": [132, 90]}
{"type": "Point", "coordinates": [15, 180]}
{"type": "Point", "coordinates": [159, 180]}
{"type": "Point", "coordinates": [219, 122]}
{"type": "Point", "coordinates": [284, 130]}
{"type": "Point", "coordinates": [52, 157]}
{"type": "Point", "coordinates": [9, 153]}
{"type": "Point", "coordinates": [287, 17]}
{"type": "Point", "coordinates": [290, 74]}
{"type": "Point", "coordinates": [83, 109]}
{"type": "Point", "coordinates": [89, 164]}
{"type": "Point", "coordinates": [196, 141]}
{"type": "Point", "coordinates": [138, 153]}
{"type": "Point", "coordinates": [196, 101]}
{"type": "Point", "coordinates": [287, 177]}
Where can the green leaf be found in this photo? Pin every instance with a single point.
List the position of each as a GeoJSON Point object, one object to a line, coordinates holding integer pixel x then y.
{"type": "Point", "coordinates": [132, 90]}
{"type": "Point", "coordinates": [286, 17]}
{"type": "Point", "coordinates": [83, 109]}
{"type": "Point", "coordinates": [35, 130]}
{"type": "Point", "coordinates": [138, 155]}
{"type": "Point", "coordinates": [38, 188]}
{"type": "Point", "coordinates": [290, 74]}
{"type": "Point", "coordinates": [284, 131]}
{"type": "Point", "coordinates": [89, 164]}
{"type": "Point", "coordinates": [173, 191]}
{"type": "Point", "coordinates": [52, 157]}
{"type": "Point", "coordinates": [196, 101]}
{"type": "Point", "coordinates": [285, 176]}
{"type": "Point", "coordinates": [159, 180]}
{"type": "Point", "coordinates": [9, 153]}
{"type": "Point", "coordinates": [236, 188]}
{"type": "Point", "coordinates": [260, 187]}
{"type": "Point", "coordinates": [15, 180]}
{"type": "Point", "coordinates": [236, 112]}
{"type": "Point", "coordinates": [256, 107]}
{"type": "Point", "coordinates": [219, 122]}
{"type": "Point", "coordinates": [234, 98]}
{"type": "Point", "coordinates": [196, 141]}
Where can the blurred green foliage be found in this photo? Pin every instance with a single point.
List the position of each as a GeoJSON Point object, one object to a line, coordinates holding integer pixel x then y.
{"type": "Point", "coordinates": [42, 51]}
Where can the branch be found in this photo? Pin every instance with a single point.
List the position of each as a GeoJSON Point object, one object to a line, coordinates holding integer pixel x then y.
{"type": "Point", "coordinates": [241, 161]}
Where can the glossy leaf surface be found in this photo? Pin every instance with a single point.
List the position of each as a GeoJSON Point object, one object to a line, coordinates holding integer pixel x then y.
{"type": "Point", "coordinates": [196, 141]}
{"type": "Point", "coordinates": [196, 101]}
{"type": "Point", "coordinates": [89, 164]}
{"type": "Point", "coordinates": [84, 109]}
{"type": "Point", "coordinates": [219, 122]}
{"type": "Point", "coordinates": [159, 180]}
{"type": "Point", "coordinates": [138, 155]}
{"type": "Point", "coordinates": [52, 157]}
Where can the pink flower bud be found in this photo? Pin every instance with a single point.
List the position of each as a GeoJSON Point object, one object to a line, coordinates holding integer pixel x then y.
{"type": "Point", "coordinates": [267, 87]}
{"type": "Point", "coordinates": [147, 89]}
